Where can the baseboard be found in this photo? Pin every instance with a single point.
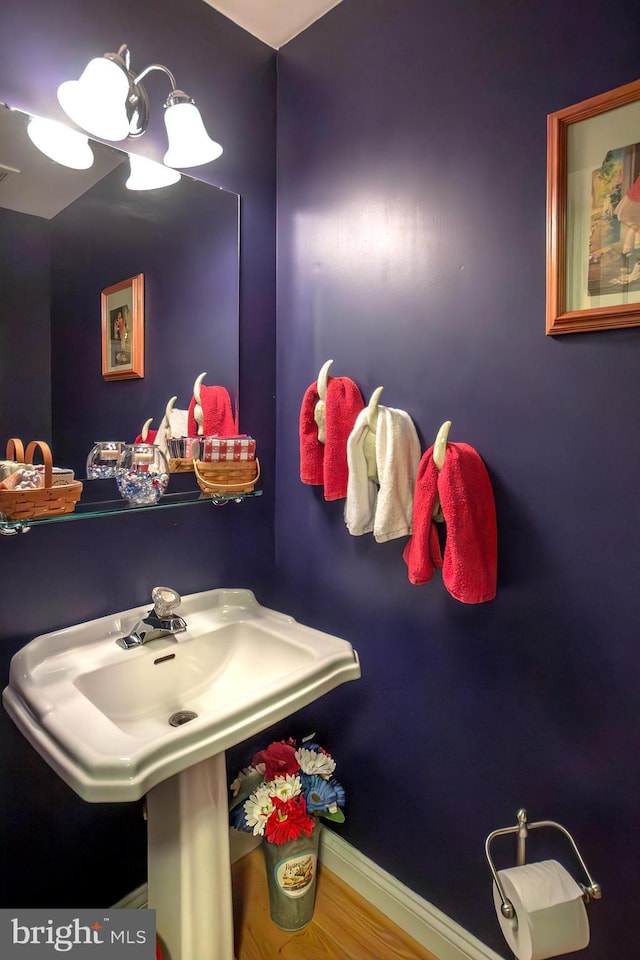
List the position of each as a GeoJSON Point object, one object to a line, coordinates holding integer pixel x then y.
{"type": "Point", "coordinates": [430, 927]}
{"type": "Point", "coordinates": [136, 900]}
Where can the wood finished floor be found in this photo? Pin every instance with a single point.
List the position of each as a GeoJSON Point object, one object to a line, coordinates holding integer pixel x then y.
{"type": "Point", "coordinates": [344, 926]}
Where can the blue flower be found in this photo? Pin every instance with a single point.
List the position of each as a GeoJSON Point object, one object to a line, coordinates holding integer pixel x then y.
{"type": "Point", "coordinates": [321, 795]}
{"type": "Point", "coordinates": [238, 818]}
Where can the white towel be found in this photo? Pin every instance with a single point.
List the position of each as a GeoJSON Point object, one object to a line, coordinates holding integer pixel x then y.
{"type": "Point", "coordinates": [178, 420]}
{"type": "Point", "coordinates": [384, 508]}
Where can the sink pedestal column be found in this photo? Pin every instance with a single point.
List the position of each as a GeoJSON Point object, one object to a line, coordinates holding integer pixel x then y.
{"type": "Point", "coordinates": [189, 878]}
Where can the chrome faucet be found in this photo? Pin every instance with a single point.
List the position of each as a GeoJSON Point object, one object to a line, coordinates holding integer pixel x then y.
{"type": "Point", "coordinates": [159, 622]}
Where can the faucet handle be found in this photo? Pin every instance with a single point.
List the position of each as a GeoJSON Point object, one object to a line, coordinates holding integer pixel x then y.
{"type": "Point", "coordinates": [165, 601]}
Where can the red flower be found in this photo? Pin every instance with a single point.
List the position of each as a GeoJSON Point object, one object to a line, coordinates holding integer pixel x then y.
{"type": "Point", "coordinates": [279, 759]}
{"type": "Point", "coordinates": [289, 820]}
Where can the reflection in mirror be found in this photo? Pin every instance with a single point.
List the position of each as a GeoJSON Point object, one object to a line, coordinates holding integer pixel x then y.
{"type": "Point", "coordinates": [65, 236]}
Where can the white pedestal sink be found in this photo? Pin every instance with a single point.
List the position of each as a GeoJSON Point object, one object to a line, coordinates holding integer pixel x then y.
{"type": "Point", "coordinates": [99, 715]}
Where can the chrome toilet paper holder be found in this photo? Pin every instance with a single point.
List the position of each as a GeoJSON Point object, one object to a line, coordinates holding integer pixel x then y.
{"type": "Point", "coordinates": [590, 890]}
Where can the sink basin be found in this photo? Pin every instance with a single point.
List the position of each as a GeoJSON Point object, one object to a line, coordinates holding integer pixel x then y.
{"type": "Point", "coordinates": [156, 719]}
{"type": "Point", "coordinates": [102, 716]}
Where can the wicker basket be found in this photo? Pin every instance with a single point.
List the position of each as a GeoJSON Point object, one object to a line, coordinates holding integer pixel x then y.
{"type": "Point", "coordinates": [47, 501]}
{"type": "Point", "coordinates": [180, 465]}
{"type": "Point", "coordinates": [180, 453]}
{"type": "Point", "coordinates": [227, 476]}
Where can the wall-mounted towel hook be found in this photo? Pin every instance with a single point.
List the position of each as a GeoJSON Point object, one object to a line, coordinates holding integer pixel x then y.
{"type": "Point", "coordinates": [372, 408]}
{"type": "Point", "coordinates": [196, 387]}
{"type": "Point", "coordinates": [439, 454]}
{"type": "Point", "coordinates": [198, 414]}
{"type": "Point", "coordinates": [370, 435]}
{"type": "Point", "coordinates": [440, 444]}
{"type": "Point", "coordinates": [144, 433]}
{"type": "Point", "coordinates": [166, 420]}
{"type": "Point", "coordinates": [322, 379]}
{"type": "Point", "coordinates": [319, 413]}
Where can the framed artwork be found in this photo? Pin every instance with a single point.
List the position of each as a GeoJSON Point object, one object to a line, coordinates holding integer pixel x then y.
{"type": "Point", "coordinates": [593, 213]}
{"type": "Point", "coordinates": [123, 329]}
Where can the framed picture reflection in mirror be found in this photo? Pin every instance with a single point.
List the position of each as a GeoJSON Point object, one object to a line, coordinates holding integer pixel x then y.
{"type": "Point", "coordinates": [123, 329]}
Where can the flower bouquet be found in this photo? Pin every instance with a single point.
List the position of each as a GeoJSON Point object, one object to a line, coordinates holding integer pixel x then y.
{"type": "Point", "coordinates": [280, 797]}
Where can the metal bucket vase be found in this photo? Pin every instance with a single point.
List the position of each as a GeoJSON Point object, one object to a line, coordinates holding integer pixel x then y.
{"type": "Point", "coordinates": [291, 876]}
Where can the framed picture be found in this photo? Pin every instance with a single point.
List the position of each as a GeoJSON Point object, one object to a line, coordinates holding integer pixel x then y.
{"type": "Point", "coordinates": [593, 213]}
{"type": "Point", "coordinates": [123, 330]}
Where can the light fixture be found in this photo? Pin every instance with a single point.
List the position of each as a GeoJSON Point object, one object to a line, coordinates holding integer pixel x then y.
{"type": "Point", "coordinates": [110, 102]}
{"type": "Point", "coordinates": [189, 143]}
{"type": "Point", "coordinates": [100, 100]}
{"type": "Point", "coordinates": [60, 143]}
{"type": "Point", "coordinates": [148, 174]}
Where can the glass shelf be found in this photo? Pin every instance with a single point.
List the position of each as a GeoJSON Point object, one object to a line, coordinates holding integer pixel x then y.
{"type": "Point", "coordinates": [106, 508]}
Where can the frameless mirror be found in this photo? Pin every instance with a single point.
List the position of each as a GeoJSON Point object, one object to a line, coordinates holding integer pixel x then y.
{"type": "Point", "coordinates": [67, 235]}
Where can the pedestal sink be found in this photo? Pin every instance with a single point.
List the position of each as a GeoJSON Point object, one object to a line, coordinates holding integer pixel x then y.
{"type": "Point", "coordinates": [156, 720]}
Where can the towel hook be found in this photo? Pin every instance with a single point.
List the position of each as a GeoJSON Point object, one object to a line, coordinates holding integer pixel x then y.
{"type": "Point", "coordinates": [372, 408]}
{"type": "Point", "coordinates": [166, 420]}
{"type": "Point", "coordinates": [590, 890]}
{"type": "Point", "coordinates": [440, 444]}
{"type": "Point", "coordinates": [144, 433]}
{"type": "Point", "coordinates": [198, 414]}
{"type": "Point", "coordinates": [322, 379]}
{"type": "Point", "coordinates": [319, 412]}
{"type": "Point", "coordinates": [439, 453]}
{"type": "Point", "coordinates": [370, 435]}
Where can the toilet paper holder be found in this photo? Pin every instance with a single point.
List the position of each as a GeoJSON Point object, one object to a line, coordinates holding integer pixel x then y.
{"type": "Point", "coordinates": [590, 890]}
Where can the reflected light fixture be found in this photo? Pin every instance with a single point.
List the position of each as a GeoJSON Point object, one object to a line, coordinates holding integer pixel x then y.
{"type": "Point", "coordinates": [147, 174]}
{"type": "Point", "coordinates": [110, 102]}
{"type": "Point", "coordinates": [60, 143]}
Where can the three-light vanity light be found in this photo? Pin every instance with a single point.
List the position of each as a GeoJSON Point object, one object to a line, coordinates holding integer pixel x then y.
{"type": "Point", "coordinates": [110, 102]}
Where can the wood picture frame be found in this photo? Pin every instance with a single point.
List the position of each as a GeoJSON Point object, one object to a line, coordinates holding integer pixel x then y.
{"type": "Point", "coordinates": [593, 186]}
{"type": "Point", "coordinates": [122, 313]}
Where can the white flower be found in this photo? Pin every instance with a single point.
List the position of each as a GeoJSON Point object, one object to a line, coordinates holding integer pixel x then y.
{"type": "Point", "coordinates": [285, 788]}
{"type": "Point", "coordinates": [319, 763]}
{"type": "Point", "coordinates": [258, 808]}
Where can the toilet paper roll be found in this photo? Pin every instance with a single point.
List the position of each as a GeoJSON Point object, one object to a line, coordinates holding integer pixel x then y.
{"type": "Point", "coordinates": [550, 914]}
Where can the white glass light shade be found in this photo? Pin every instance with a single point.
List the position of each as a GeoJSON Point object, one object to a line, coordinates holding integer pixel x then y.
{"type": "Point", "coordinates": [148, 174]}
{"type": "Point", "coordinates": [60, 143]}
{"type": "Point", "coordinates": [97, 101]}
{"type": "Point", "coordinates": [189, 143]}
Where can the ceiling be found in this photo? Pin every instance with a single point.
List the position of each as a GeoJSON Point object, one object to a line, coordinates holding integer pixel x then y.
{"type": "Point", "coordinates": [32, 183]}
{"type": "Point", "coordinates": [273, 21]}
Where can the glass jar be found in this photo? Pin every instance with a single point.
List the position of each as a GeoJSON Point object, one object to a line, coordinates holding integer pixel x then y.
{"type": "Point", "coordinates": [103, 459]}
{"type": "Point", "coordinates": [142, 473]}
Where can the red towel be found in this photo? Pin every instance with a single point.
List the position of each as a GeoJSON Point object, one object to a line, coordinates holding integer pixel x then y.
{"type": "Point", "coordinates": [325, 464]}
{"type": "Point", "coordinates": [151, 437]}
{"type": "Point", "coordinates": [469, 568]}
{"type": "Point", "coordinates": [217, 416]}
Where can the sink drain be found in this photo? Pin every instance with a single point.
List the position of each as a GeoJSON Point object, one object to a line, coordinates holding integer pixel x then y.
{"type": "Point", "coordinates": [182, 716]}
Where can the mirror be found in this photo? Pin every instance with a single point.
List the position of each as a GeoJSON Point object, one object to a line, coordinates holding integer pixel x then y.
{"type": "Point", "coordinates": [65, 236]}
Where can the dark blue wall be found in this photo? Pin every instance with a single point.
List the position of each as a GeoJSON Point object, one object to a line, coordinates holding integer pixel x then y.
{"type": "Point", "coordinates": [411, 218]}
{"type": "Point", "coordinates": [56, 849]}
{"type": "Point", "coordinates": [25, 357]}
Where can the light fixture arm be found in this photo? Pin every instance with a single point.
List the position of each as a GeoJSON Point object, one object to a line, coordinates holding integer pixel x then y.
{"type": "Point", "coordinates": [125, 55]}
{"type": "Point", "coordinates": [156, 66]}
{"type": "Point", "coordinates": [175, 95]}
